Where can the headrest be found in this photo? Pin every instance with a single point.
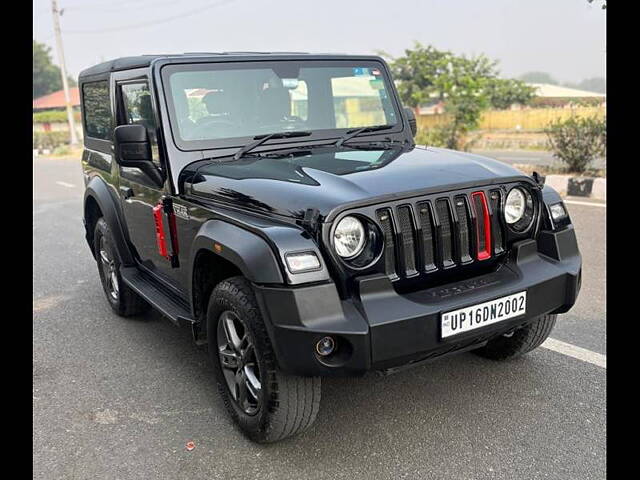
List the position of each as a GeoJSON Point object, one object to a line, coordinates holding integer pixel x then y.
{"type": "Point", "coordinates": [275, 103]}
{"type": "Point", "coordinates": [217, 103]}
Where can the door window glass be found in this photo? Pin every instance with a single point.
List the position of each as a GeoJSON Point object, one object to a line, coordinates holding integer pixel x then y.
{"type": "Point", "coordinates": [138, 110]}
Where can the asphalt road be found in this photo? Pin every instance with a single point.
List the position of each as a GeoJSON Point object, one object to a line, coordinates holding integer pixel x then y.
{"type": "Point", "coordinates": [531, 157]}
{"type": "Point", "coordinates": [120, 398]}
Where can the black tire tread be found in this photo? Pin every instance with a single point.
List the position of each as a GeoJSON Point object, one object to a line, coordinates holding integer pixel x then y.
{"type": "Point", "coordinates": [523, 340]}
{"type": "Point", "coordinates": [294, 401]}
{"type": "Point", "coordinates": [129, 303]}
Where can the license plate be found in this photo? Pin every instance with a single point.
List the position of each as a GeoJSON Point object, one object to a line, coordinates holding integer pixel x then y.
{"type": "Point", "coordinates": [477, 316]}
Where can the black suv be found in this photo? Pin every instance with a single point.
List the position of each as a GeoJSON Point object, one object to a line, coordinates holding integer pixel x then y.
{"type": "Point", "coordinates": [278, 204]}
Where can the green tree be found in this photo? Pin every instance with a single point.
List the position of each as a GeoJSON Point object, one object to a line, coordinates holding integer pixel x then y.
{"type": "Point", "coordinates": [467, 85]}
{"type": "Point", "coordinates": [538, 77]}
{"type": "Point", "coordinates": [596, 84]}
{"type": "Point", "coordinates": [604, 4]}
{"type": "Point", "coordinates": [46, 75]}
{"type": "Point", "coordinates": [504, 92]}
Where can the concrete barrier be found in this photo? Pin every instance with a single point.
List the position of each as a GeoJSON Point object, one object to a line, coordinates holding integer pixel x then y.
{"type": "Point", "coordinates": [599, 190]}
{"type": "Point", "coordinates": [560, 183]}
{"type": "Point", "coordinates": [595, 188]}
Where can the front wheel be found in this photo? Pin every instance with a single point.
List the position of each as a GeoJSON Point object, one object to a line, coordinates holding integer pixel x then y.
{"type": "Point", "coordinates": [520, 341]}
{"type": "Point", "coordinates": [267, 404]}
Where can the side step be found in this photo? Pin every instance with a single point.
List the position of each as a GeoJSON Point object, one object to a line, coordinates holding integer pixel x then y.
{"type": "Point", "coordinates": [157, 295]}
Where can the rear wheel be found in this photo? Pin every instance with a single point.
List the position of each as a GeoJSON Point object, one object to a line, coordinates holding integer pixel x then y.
{"type": "Point", "coordinates": [267, 404]}
{"type": "Point", "coordinates": [123, 300]}
{"type": "Point", "coordinates": [520, 341]}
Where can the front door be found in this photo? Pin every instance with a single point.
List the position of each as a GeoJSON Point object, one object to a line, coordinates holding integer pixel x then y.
{"type": "Point", "coordinates": [139, 194]}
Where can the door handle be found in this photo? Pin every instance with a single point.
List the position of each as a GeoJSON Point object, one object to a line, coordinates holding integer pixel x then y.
{"type": "Point", "coordinates": [127, 192]}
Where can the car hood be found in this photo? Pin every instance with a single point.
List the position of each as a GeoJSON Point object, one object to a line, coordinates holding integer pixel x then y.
{"type": "Point", "coordinates": [325, 178]}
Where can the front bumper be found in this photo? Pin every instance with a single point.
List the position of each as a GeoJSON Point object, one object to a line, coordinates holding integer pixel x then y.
{"type": "Point", "coordinates": [382, 329]}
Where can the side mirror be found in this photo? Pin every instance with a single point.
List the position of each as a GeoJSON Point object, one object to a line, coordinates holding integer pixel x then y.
{"type": "Point", "coordinates": [132, 145]}
{"type": "Point", "coordinates": [411, 117]}
{"type": "Point", "coordinates": [133, 149]}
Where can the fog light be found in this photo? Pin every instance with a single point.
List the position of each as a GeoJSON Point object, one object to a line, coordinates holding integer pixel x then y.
{"type": "Point", "coordinates": [558, 211]}
{"type": "Point", "coordinates": [325, 346]}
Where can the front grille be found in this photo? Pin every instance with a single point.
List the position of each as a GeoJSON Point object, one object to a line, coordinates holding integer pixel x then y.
{"type": "Point", "coordinates": [440, 233]}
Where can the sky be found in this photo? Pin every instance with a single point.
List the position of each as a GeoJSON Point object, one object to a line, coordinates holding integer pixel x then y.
{"type": "Point", "coordinates": [565, 38]}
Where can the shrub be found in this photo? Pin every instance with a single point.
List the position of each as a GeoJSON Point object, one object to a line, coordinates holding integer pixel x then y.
{"type": "Point", "coordinates": [444, 136]}
{"type": "Point", "coordinates": [62, 150]}
{"type": "Point", "coordinates": [49, 140]}
{"type": "Point", "coordinates": [54, 116]}
{"type": "Point", "coordinates": [577, 141]}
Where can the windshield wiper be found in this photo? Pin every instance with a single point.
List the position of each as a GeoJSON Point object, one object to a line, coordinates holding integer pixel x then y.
{"type": "Point", "coordinates": [260, 139]}
{"type": "Point", "coordinates": [354, 133]}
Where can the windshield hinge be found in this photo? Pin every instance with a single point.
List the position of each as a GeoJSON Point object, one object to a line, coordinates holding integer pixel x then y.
{"type": "Point", "coordinates": [310, 222]}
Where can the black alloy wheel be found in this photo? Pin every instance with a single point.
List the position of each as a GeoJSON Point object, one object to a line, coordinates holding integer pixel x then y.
{"type": "Point", "coordinates": [239, 364]}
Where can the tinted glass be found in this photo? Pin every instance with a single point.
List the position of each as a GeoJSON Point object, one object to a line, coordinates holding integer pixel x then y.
{"type": "Point", "coordinates": [213, 102]}
{"type": "Point", "coordinates": [138, 110]}
{"type": "Point", "coordinates": [97, 110]}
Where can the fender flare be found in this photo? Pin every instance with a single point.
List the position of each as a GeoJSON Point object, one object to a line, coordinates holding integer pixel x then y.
{"type": "Point", "coordinates": [247, 251]}
{"type": "Point", "coordinates": [99, 191]}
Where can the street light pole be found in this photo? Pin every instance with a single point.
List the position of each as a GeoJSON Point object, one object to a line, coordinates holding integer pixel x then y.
{"type": "Point", "coordinates": [63, 71]}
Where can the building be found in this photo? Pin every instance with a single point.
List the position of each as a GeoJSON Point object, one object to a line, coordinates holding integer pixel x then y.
{"type": "Point", "coordinates": [56, 101]}
{"type": "Point", "coordinates": [548, 95]}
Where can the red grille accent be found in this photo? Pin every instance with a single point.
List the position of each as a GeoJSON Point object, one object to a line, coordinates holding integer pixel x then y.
{"type": "Point", "coordinates": [483, 225]}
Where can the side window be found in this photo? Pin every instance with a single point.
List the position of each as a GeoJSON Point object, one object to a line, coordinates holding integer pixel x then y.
{"type": "Point", "coordinates": [137, 109]}
{"type": "Point", "coordinates": [97, 110]}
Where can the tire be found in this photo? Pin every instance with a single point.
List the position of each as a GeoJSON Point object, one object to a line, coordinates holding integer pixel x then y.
{"type": "Point", "coordinates": [519, 342]}
{"type": "Point", "coordinates": [123, 300]}
{"type": "Point", "coordinates": [278, 405]}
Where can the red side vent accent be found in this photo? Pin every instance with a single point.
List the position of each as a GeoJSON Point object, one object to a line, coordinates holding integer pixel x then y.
{"type": "Point", "coordinates": [483, 225]}
{"type": "Point", "coordinates": [160, 237]}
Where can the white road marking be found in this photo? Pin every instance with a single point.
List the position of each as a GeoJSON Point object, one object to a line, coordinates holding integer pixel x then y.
{"type": "Point", "coordinates": [65, 184]}
{"type": "Point", "coordinates": [516, 158]}
{"type": "Point", "coordinates": [576, 352]}
{"type": "Point", "coordinates": [591, 204]}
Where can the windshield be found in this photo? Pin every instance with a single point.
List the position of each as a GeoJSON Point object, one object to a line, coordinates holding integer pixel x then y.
{"type": "Point", "coordinates": [211, 103]}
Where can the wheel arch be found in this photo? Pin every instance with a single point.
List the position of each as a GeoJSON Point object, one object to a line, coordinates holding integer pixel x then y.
{"type": "Point", "coordinates": [99, 202]}
{"type": "Point", "coordinates": [221, 250]}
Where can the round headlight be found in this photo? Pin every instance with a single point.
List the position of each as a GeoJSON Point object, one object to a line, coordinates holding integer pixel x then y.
{"type": "Point", "coordinates": [349, 237]}
{"type": "Point", "coordinates": [515, 206]}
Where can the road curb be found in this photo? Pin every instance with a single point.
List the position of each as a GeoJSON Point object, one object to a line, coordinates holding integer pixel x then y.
{"type": "Point", "coordinates": [588, 187]}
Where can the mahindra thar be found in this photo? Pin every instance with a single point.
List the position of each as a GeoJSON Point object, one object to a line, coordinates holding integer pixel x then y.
{"type": "Point", "coordinates": [278, 205]}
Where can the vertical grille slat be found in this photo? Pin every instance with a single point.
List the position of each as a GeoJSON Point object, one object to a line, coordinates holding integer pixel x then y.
{"type": "Point", "coordinates": [477, 204]}
{"type": "Point", "coordinates": [494, 200]}
{"type": "Point", "coordinates": [407, 229]}
{"type": "Point", "coordinates": [428, 242]}
{"type": "Point", "coordinates": [463, 229]}
{"type": "Point", "coordinates": [483, 225]}
{"type": "Point", "coordinates": [384, 217]}
{"type": "Point", "coordinates": [446, 244]}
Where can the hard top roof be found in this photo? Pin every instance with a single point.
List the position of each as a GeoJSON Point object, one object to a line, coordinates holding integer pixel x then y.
{"type": "Point", "coordinates": [142, 61]}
